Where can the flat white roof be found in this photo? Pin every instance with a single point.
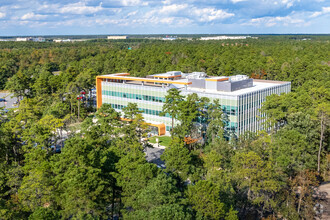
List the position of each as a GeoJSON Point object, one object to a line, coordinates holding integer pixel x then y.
{"type": "Point", "coordinates": [257, 86]}
{"type": "Point", "coordinates": [217, 77]}
{"type": "Point", "coordinates": [171, 73]}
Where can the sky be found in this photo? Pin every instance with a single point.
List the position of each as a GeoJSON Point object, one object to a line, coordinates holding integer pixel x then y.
{"type": "Point", "coordinates": [89, 17]}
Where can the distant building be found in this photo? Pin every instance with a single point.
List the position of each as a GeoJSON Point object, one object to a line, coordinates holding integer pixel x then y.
{"type": "Point", "coordinates": [34, 39]}
{"type": "Point", "coordinates": [227, 38]}
{"type": "Point", "coordinates": [119, 37]}
{"type": "Point", "coordinates": [23, 39]}
{"type": "Point", "coordinates": [169, 38]}
{"type": "Point", "coordinates": [240, 96]}
{"type": "Point", "coordinates": [62, 40]}
{"type": "Point", "coordinates": [39, 39]}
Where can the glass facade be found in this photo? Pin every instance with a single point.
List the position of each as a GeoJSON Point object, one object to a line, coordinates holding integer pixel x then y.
{"type": "Point", "coordinates": [148, 99]}
{"type": "Point", "coordinates": [242, 110]}
{"type": "Point", "coordinates": [250, 117]}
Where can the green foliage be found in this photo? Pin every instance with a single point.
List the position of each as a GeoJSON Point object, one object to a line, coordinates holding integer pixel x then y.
{"type": "Point", "coordinates": [160, 199]}
{"type": "Point", "coordinates": [131, 111]}
{"type": "Point", "coordinates": [171, 105]}
{"type": "Point", "coordinates": [232, 214]}
{"type": "Point", "coordinates": [188, 111]}
{"type": "Point", "coordinates": [83, 179]}
{"type": "Point", "coordinates": [45, 214]}
{"type": "Point", "coordinates": [177, 159]}
{"type": "Point", "coordinates": [256, 178]}
{"type": "Point", "coordinates": [102, 171]}
{"type": "Point", "coordinates": [292, 152]}
{"type": "Point", "coordinates": [36, 188]}
{"type": "Point", "coordinates": [136, 129]}
{"type": "Point", "coordinates": [216, 122]}
{"type": "Point", "coordinates": [162, 212]}
{"type": "Point", "coordinates": [204, 198]}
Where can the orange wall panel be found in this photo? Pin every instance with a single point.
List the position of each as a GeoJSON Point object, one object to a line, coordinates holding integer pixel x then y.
{"type": "Point", "coordinates": [98, 92]}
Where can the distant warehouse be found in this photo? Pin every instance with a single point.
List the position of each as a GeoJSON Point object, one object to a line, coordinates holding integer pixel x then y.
{"type": "Point", "coordinates": [240, 96]}
{"type": "Point", "coordinates": [34, 39]}
{"type": "Point", "coordinates": [228, 38]}
{"type": "Point", "coordinates": [119, 37]}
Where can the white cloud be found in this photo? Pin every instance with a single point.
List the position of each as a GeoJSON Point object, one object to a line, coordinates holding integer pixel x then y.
{"type": "Point", "coordinates": [211, 14]}
{"type": "Point", "coordinates": [167, 2]}
{"type": "Point", "coordinates": [188, 12]}
{"type": "Point", "coordinates": [162, 15]}
{"type": "Point", "coordinates": [273, 21]}
{"type": "Point", "coordinates": [133, 3]}
{"type": "Point", "coordinates": [325, 10]}
{"type": "Point", "coordinates": [80, 8]}
{"type": "Point", "coordinates": [236, 1]}
{"type": "Point", "coordinates": [172, 9]}
{"type": "Point", "coordinates": [132, 13]}
{"type": "Point", "coordinates": [288, 3]}
{"type": "Point", "coordinates": [32, 16]}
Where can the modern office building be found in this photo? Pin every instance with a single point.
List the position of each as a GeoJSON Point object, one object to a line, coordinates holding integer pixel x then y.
{"type": "Point", "coordinates": [240, 96]}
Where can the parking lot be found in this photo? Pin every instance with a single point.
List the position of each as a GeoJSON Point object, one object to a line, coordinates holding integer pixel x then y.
{"type": "Point", "coordinates": [9, 100]}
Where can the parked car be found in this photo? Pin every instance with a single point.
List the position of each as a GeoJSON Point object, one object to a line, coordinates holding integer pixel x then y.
{"type": "Point", "coordinates": [2, 100]}
{"type": "Point", "coordinates": [58, 148]}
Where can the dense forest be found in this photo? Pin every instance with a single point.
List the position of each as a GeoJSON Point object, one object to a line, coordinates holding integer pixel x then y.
{"type": "Point", "coordinates": [101, 172]}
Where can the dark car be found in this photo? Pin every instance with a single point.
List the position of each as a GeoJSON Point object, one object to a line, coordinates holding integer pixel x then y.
{"type": "Point", "coordinates": [2, 100]}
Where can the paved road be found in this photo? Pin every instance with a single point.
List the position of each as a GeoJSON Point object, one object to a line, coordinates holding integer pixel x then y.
{"type": "Point", "coordinates": [9, 100]}
{"type": "Point", "coordinates": [153, 155]}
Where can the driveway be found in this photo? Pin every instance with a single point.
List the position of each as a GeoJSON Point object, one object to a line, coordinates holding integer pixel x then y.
{"type": "Point", "coordinates": [9, 100]}
{"type": "Point", "coordinates": [153, 155]}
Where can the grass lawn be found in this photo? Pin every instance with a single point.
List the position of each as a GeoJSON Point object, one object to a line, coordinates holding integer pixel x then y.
{"type": "Point", "coordinates": [163, 140]}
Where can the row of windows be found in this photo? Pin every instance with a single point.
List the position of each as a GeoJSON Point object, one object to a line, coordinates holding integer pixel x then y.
{"type": "Point", "coordinates": [133, 96]}
{"type": "Point", "coordinates": [229, 111]}
{"type": "Point", "coordinates": [226, 109]}
{"type": "Point", "coordinates": [228, 125]}
{"type": "Point", "coordinates": [145, 111]}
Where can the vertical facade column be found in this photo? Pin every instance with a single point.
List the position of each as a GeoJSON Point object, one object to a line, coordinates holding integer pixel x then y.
{"type": "Point", "coordinates": [98, 92]}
